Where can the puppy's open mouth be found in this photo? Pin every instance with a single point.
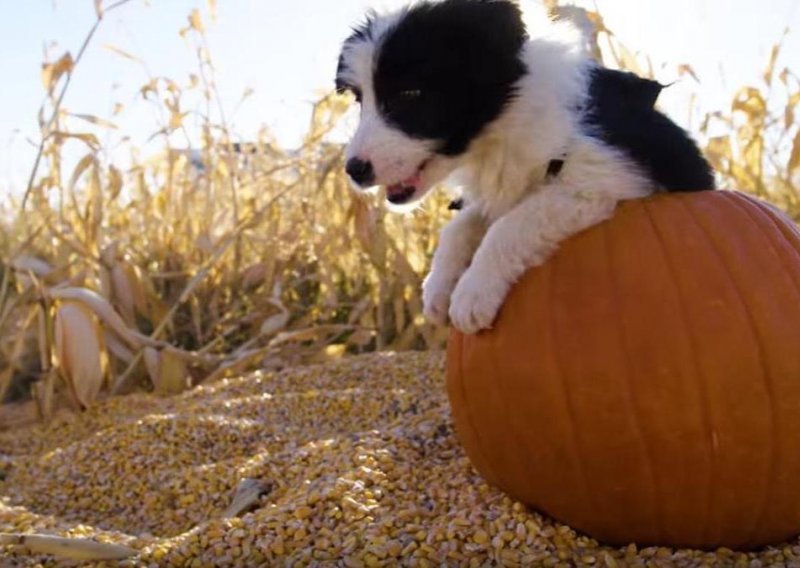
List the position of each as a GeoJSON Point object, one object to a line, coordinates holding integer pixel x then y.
{"type": "Point", "coordinates": [404, 191]}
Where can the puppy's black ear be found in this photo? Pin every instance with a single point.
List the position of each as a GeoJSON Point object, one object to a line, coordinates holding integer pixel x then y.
{"type": "Point", "coordinates": [361, 32]}
{"type": "Point", "coordinates": [503, 17]}
{"type": "Point", "coordinates": [626, 88]}
{"type": "Point", "coordinates": [642, 91]}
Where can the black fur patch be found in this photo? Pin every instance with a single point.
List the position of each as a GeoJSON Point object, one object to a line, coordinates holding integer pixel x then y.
{"type": "Point", "coordinates": [449, 68]}
{"type": "Point", "coordinates": [621, 112]}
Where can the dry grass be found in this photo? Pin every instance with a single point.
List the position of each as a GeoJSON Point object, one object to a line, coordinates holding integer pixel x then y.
{"type": "Point", "coordinates": [192, 273]}
{"type": "Point", "coordinates": [261, 257]}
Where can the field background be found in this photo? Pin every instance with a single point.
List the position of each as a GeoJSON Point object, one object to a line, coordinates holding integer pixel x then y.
{"type": "Point", "coordinates": [207, 252]}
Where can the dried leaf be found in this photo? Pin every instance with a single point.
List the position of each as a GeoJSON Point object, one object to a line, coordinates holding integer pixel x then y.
{"type": "Point", "coordinates": [121, 52]}
{"type": "Point", "coordinates": [96, 120]}
{"type": "Point", "coordinates": [150, 87]}
{"type": "Point", "coordinates": [361, 337]}
{"type": "Point", "coordinates": [773, 57]}
{"type": "Point", "coordinates": [719, 151]}
{"type": "Point", "coordinates": [750, 101]}
{"type": "Point", "coordinates": [174, 376]}
{"type": "Point", "coordinates": [196, 21]}
{"type": "Point", "coordinates": [52, 72]}
{"type": "Point", "coordinates": [686, 69]}
{"type": "Point", "coordinates": [81, 167]}
{"type": "Point", "coordinates": [595, 18]}
{"type": "Point", "coordinates": [116, 348]}
{"type": "Point", "coordinates": [167, 371]}
{"type": "Point", "coordinates": [5, 381]}
{"type": "Point", "coordinates": [85, 137]}
{"type": "Point", "coordinates": [44, 337]}
{"type": "Point", "coordinates": [753, 155]}
{"type": "Point", "coordinates": [176, 120]}
{"type": "Point", "coordinates": [794, 159]}
{"type": "Point", "coordinates": [152, 362]}
{"type": "Point", "coordinates": [275, 323]}
{"type": "Point", "coordinates": [253, 276]}
{"type": "Point", "coordinates": [114, 182]}
{"type": "Point", "coordinates": [364, 222]}
{"type": "Point", "coordinates": [789, 110]}
{"type": "Point", "coordinates": [43, 394]}
{"type": "Point", "coordinates": [628, 60]}
{"type": "Point", "coordinates": [309, 334]}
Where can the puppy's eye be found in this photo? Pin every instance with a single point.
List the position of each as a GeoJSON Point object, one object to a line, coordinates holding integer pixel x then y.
{"type": "Point", "coordinates": [356, 94]}
{"type": "Point", "coordinates": [411, 94]}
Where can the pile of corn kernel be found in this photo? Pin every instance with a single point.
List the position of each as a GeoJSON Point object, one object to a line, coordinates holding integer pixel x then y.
{"type": "Point", "coordinates": [359, 461]}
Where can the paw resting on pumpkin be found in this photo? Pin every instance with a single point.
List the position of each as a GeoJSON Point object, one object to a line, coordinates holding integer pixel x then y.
{"type": "Point", "coordinates": [436, 291]}
{"type": "Point", "coordinates": [476, 301]}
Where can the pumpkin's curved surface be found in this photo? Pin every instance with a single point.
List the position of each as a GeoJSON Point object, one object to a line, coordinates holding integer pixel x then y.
{"type": "Point", "coordinates": [643, 385]}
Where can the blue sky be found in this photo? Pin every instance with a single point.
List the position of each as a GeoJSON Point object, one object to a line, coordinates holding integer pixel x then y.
{"type": "Point", "coordinates": [285, 50]}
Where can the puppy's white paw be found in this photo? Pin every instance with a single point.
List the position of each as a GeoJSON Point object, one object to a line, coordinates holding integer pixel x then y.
{"type": "Point", "coordinates": [476, 302]}
{"type": "Point", "coordinates": [436, 292]}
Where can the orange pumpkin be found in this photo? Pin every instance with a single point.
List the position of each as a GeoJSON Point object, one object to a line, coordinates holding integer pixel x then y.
{"type": "Point", "coordinates": [643, 385]}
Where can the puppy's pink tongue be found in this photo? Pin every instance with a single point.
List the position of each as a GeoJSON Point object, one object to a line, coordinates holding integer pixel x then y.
{"type": "Point", "coordinates": [401, 192]}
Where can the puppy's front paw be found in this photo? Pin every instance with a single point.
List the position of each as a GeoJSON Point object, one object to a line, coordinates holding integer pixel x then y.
{"type": "Point", "coordinates": [436, 292]}
{"type": "Point", "coordinates": [476, 302]}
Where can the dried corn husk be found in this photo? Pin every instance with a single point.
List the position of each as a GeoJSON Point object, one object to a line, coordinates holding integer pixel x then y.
{"type": "Point", "coordinates": [127, 291]}
{"type": "Point", "coordinates": [80, 352]}
{"type": "Point", "coordinates": [26, 265]}
{"type": "Point", "coordinates": [103, 310]}
{"type": "Point", "coordinates": [68, 548]}
{"type": "Point", "coordinates": [167, 371]}
{"type": "Point", "coordinates": [253, 276]}
{"type": "Point", "coordinates": [247, 496]}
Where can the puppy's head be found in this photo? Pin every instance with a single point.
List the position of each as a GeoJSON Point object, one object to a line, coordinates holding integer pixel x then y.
{"type": "Point", "coordinates": [429, 79]}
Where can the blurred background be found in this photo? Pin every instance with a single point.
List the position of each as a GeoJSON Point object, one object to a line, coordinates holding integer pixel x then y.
{"type": "Point", "coordinates": [175, 209]}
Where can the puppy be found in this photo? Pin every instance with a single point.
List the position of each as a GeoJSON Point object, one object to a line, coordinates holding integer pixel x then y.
{"type": "Point", "coordinates": [543, 140]}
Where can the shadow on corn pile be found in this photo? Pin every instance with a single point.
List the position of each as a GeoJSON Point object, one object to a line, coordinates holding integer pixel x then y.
{"type": "Point", "coordinates": [358, 457]}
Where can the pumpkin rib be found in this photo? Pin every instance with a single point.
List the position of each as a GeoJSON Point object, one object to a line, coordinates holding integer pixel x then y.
{"type": "Point", "coordinates": [475, 432]}
{"type": "Point", "coordinates": [500, 385]}
{"type": "Point", "coordinates": [790, 233]}
{"type": "Point", "coordinates": [561, 379]}
{"type": "Point", "coordinates": [754, 214]}
{"type": "Point", "coordinates": [766, 376]}
{"type": "Point", "coordinates": [706, 415]}
{"type": "Point", "coordinates": [636, 415]}
{"type": "Point", "coordinates": [787, 226]}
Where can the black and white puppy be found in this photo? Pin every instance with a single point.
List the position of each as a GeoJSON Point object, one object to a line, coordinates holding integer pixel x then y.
{"type": "Point", "coordinates": [543, 140]}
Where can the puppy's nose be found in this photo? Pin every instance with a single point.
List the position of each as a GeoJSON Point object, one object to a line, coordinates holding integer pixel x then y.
{"type": "Point", "coordinates": [360, 171]}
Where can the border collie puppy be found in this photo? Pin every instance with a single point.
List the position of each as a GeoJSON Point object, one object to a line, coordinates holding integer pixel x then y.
{"type": "Point", "coordinates": [543, 140]}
